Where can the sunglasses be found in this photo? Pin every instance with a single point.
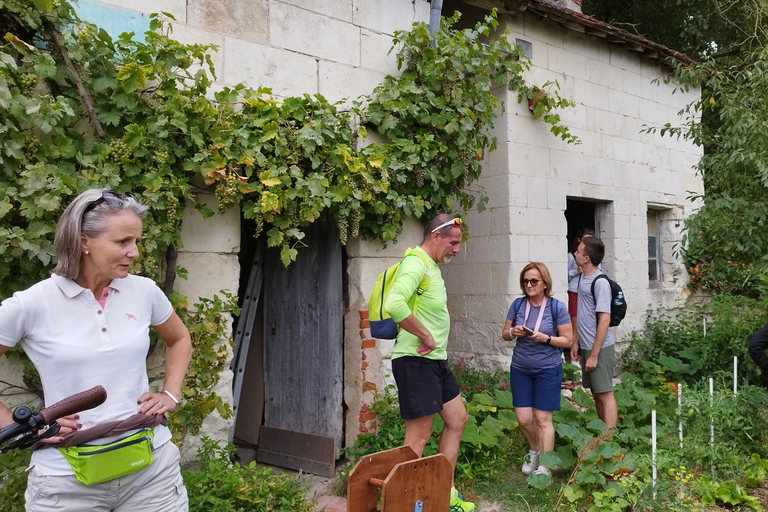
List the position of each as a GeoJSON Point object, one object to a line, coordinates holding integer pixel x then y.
{"type": "Point", "coordinates": [455, 223]}
{"type": "Point", "coordinates": [532, 282]}
{"type": "Point", "coordinates": [112, 198]}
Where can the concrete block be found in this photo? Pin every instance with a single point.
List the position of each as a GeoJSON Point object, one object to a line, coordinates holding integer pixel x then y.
{"type": "Point", "coordinates": [622, 103]}
{"type": "Point", "coordinates": [632, 83]}
{"type": "Point", "coordinates": [208, 273]}
{"type": "Point", "coordinates": [604, 74]}
{"type": "Point", "coordinates": [544, 30]}
{"type": "Point", "coordinates": [638, 226]}
{"type": "Point", "coordinates": [489, 249]}
{"type": "Point", "coordinates": [497, 188]}
{"type": "Point", "coordinates": [684, 163]}
{"type": "Point", "coordinates": [575, 117]}
{"type": "Point", "coordinates": [657, 156]}
{"type": "Point", "coordinates": [537, 192]}
{"type": "Point", "coordinates": [528, 160]}
{"type": "Point", "coordinates": [178, 8]}
{"type": "Point", "coordinates": [606, 122]}
{"type": "Point", "coordinates": [375, 52]}
{"type": "Point", "coordinates": [500, 221]}
{"type": "Point", "coordinates": [618, 228]}
{"type": "Point", "coordinates": [220, 233]}
{"type": "Point", "coordinates": [339, 9]}
{"type": "Point", "coordinates": [624, 59]}
{"type": "Point", "coordinates": [505, 279]}
{"type": "Point", "coordinates": [611, 173]}
{"type": "Point", "coordinates": [496, 163]}
{"type": "Point", "coordinates": [386, 17]}
{"type": "Point", "coordinates": [668, 181]}
{"type": "Point", "coordinates": [594, 48]}
{"type": "Point", "coordinates": [467, 279]}
{"type": "Point", "coordinates": [286, 73]}
{"type": "Point", "coordinates": [572, 167]}
{"type": "Point", "coordinates": [488, 308]}
{"type": "Point", "coordinates": [545, 248]}
{"type": "Point", "coordinates": [306, 32]}
{"type": "Point", "coordinates": [478, 224]}
{"type": "Point", "coordinates": [244, 20]}
{"type": "Point", "coordinates": [411, 236]}
{"type": "Point", "coordinates": [557, 193]}
{"type": "Point", "coordinates": [690, 183]}
{"type": "Point", "coordinates": [656, 114]}
{"type": "Point", "coordinates": [567, 62]}
{"type": "Point", "coordinates": [591, 143]}
{"type": "Point", "coordinates": [591, 94]}
{"type": "Point", "coordinates": [519, 248]}
{"type": "Point", "coordinates": [339, 81]}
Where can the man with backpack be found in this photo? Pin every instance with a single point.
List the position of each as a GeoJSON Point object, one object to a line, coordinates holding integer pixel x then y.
{"type": "Point", "coordinates": [425, 384]}
{"type": "Point", "coordinates": [595, 346]}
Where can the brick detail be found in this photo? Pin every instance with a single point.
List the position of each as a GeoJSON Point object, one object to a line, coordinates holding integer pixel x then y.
{"type": "Point", "coordinates": [367, 418]}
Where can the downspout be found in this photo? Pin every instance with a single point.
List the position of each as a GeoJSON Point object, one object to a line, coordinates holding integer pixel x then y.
{"type": "Point", "coordinates": [435, 12]}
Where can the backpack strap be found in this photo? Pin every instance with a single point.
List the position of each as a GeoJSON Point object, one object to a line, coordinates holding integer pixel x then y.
{"type": "Point", "coordinates": [594, 298]}
{"type": "Point", "coordinates": [515, 308]}
{"type": "Point", "coordinates": [423, 285]}
{"type": "Point", "coordinates": [553, 306]}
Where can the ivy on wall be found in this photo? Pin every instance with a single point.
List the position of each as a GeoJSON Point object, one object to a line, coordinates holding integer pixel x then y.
{"type": "Point", "coordinates": [79, 109]}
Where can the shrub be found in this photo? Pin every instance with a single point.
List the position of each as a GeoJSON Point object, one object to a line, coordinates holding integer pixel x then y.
{"type": "Point", "coordinates": [223, 486]}
{"type": "Point", "coordinates": [13, 479]}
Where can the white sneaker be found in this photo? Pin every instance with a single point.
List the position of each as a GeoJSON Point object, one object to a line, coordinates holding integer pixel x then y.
{"type": "Point", "coordinates": [530, 462]}
{"type": "Point", "coordinates": [542, 470]}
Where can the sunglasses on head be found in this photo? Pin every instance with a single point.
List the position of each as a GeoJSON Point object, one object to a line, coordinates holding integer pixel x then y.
{"type": "Point", "coordinates": [112, 198]}
{"type": "Point", "coordinates": [455, 222]}
{"type": "Point", "coordinates": [532, 282]}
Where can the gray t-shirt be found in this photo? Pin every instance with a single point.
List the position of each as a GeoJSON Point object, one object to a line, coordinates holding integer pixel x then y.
{"type": "Point", "coordinates": [532, 356]}
{"type": "Point", "coordinates": [586, 320]}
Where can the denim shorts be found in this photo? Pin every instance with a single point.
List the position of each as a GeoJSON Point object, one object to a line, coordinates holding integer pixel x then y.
{"type": "Point", "coordinates": [539, 389]}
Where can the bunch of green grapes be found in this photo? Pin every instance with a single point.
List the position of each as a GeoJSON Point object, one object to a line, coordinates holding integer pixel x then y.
{"type": "Point", "coordinates": [118, 150]}
{"type": "Point", "coordinates": [161, 157]}
{"type": "Point", "coordinates": [227, 190]}
{"type": "Point", "coordinates": [156, 105]}
{"type": "Point", "coordinates": [355, 223]}
{"type": "Point", "coordinates": [421, 173]}
{"type": "Point", "coordinates": [17, 6]}
{"type": "Point", "coordinates": [343, 224]}
{"type": "Point", "coordinates": [173, 213]}
{"type": "Point", "coordinates": [27, 83]}
{"type": "Point", "coordinates": [83, 35]}
{"type": "Point", "coordinates": [31, 146]}
{"type": "Point", "coordinates": [258, 219]}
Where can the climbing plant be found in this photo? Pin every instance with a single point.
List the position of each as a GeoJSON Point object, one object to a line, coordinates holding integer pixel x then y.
{"type": "Point", "coordinates": [81, 109]}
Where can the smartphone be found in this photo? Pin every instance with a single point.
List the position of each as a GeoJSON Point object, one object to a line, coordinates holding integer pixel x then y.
{"type": "Point", "coordinates": [527, 330]}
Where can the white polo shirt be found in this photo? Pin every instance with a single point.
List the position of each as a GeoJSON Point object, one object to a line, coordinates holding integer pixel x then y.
{"type": "Point", "coordinates": [76, 344]}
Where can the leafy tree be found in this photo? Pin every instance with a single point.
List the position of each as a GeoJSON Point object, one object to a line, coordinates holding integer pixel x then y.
{"type": "Point", "coordinates": [698, 28]}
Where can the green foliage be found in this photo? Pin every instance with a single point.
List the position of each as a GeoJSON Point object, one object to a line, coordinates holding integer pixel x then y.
{"type": "Point", "coordinates": [730, 493]}
{"type": "Point", "coordinates": [223, 486]}
{"type": "Point", "coordinates": [677, 341]}
{"type": "Point", "coordinates": [472, 380]}
{"type": "Point", "coordinates": [13, 479]}
{"type": "Point", "coordinates": [208, 328]}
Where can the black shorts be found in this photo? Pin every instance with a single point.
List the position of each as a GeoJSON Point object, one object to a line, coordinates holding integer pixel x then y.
{"type": "Point", "coordinates": [423, 385]}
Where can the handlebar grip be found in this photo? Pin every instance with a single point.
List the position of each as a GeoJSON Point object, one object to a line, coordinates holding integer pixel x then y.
{"type": "Point", "coordinates": [74, 404]}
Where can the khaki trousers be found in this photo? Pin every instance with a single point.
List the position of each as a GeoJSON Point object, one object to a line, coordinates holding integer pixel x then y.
{"type": "Point", "coordinates": [157, 488]}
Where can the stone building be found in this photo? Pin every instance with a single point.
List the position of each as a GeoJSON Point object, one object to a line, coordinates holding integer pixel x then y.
{"type": "Point", "coordinates": [631, 186]}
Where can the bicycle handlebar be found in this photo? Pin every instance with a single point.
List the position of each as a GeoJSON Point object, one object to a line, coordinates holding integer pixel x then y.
{"type": "Point", "coordinates": [83, 401]}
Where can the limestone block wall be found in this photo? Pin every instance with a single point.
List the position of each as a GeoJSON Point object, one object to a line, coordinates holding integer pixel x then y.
{"type": "Point", "coordinates": [532, 174]}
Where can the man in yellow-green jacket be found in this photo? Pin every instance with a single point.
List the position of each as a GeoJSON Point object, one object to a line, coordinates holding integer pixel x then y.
{"type": "Point", "coordinates": [425, 384]}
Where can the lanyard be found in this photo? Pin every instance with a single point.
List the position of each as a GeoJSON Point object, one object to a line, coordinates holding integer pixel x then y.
{"type": "Point", "coordinates": [541, 313]}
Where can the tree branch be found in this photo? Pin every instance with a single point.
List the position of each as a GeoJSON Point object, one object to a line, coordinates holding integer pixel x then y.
{"type": "Point", "coordinates": [170, 269]}
{"type": "Point", "coordinates": [85, 97]}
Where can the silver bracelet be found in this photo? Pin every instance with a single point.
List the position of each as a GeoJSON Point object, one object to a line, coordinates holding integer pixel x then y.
{"type": "Point", "coordinates": [172, 397]}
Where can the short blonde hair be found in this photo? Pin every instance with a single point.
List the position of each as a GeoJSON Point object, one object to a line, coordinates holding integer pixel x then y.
{"type": "Point", "coordinates": [75, 221]}
{"type": "Point", "coordinates": [542, 268]}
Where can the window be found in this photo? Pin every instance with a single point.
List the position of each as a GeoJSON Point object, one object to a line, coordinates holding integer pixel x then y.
{"type": "Point", "coordinates": [654, 246]}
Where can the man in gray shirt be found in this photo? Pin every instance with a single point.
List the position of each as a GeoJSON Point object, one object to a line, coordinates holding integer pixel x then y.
{"type": "Point", "coordinates": [595, 346]}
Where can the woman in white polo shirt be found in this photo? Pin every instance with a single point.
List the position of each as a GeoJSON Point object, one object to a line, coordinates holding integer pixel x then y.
{"type": "Point", "coordinates": [87, 325]}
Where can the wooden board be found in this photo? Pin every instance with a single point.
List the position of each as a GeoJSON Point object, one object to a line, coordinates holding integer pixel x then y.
{"type": "Point", "coordinates": [427, 479]}
{"type": "Point", "coordinates": [361, 495]}
{"type": "Point", "coordinates": [304, 335]}
{"type": "Point", "coordinates": [297, 450]}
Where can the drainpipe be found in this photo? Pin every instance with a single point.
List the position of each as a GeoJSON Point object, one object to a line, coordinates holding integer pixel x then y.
{"type": "Point", "coordinates": [434, 19]}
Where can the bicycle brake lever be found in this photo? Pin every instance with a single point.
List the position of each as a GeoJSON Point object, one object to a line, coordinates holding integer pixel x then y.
{"type": "Point", "coordinates": [51, 431]}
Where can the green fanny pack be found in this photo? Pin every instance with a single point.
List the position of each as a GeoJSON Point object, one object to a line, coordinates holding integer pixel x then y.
{"type": "Point", "coordinates": [94, 464]}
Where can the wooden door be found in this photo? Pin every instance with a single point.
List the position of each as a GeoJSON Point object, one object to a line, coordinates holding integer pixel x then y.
{"type": "Point", "coordinates": [303, 338]}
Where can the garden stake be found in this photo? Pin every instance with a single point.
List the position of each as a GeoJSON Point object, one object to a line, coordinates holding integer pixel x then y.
{"type": "Point", "coordinates": [712, 424]}
{"type": "Point", "coordinates": [735, 365]}
{"type": "Point", "coordinates": [680, 409]}
{"type": "Point", "coordinates": [704, 321]}
{"type": "Point", "coordinates": [653, 453]}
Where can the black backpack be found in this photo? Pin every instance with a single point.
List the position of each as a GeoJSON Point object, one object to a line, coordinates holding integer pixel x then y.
{"type": "Point", "coordinates": [618, 301]}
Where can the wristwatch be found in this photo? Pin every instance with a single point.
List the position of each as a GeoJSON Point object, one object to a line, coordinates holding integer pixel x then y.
{"type": "Point", "coordinates": [549, 338]}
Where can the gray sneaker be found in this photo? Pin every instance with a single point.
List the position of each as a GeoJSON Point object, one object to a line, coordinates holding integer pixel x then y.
{"type": "Point", "coordinates": [530, 462]}
{"type": "Point", "coordinates": [542, 470]}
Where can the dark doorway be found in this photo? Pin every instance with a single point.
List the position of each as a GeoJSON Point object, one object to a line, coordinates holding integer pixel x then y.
{"type": "Point", "coordinates": [580, 214]}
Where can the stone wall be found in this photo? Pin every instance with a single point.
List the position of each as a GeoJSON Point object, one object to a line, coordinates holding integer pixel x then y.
{"type": "Point", "coordinates": [532, 174]}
